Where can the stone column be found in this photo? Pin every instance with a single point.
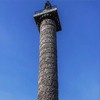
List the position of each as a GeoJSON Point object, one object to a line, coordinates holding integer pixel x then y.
{"type": "Point", "coordinates": [48, 78]}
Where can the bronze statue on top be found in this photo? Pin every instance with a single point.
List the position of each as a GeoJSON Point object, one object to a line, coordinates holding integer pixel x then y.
{"type": "Point", "coordinates": [47, 5]}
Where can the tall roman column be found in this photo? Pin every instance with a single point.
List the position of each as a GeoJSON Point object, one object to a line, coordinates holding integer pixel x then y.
{"type": "Point", "coordinates": [48, 24]}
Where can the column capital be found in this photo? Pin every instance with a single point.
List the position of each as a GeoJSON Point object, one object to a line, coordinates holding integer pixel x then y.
{"type": "Point", "coordinates": [50, 13]}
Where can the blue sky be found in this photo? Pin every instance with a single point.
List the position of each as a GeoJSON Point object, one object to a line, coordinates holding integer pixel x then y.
{"type": "Point", "coordinates": [78, 49]}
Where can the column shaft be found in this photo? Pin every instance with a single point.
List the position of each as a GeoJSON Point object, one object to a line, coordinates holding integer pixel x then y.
{"type": "Point", "coordinates": [48, 78]}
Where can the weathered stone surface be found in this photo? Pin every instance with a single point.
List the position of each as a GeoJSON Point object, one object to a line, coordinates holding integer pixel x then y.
{"type": "Point", "coordinates": [48, 78]}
